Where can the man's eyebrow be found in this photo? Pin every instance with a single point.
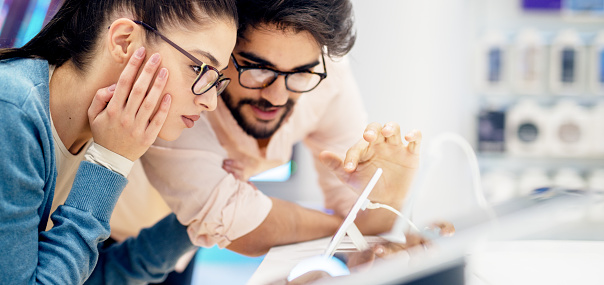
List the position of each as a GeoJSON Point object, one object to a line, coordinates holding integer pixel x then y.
{"type": "Point", "coordinates": [263, 62]}
{"type": "Point", "coordinates": [213, 61]}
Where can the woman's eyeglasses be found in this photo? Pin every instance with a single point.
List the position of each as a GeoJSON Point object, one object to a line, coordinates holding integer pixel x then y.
{"type": "Point", "coordinates": [207, 75]}
{"type": "Point", "coordinates": [262, 77]}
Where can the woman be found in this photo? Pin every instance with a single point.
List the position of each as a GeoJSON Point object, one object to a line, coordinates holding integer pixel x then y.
{"type": "Point", "coordinates": [61, 74]}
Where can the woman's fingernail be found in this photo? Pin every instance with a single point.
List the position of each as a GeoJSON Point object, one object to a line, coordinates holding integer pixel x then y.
{"type": "Point", "coordinates": [162, 73]}
{"type": "Point", "coordinates": [167, 98]}
{"type": "Point", "coordinates": [155, 58]}
{"type": "Point", "coordinates": [370, 133]}
{"type": "Point", "coordinates": [140, 52]}
{"type": "Point", "coordinates": [111, 88]}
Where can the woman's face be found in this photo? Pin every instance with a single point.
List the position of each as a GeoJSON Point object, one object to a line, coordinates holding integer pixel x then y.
{"type": "Point", "coordinates": [212, 44]}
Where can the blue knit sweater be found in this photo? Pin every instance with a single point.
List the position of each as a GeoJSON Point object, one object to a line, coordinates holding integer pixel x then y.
{"type": "Point", "coordinates": [68, 253]}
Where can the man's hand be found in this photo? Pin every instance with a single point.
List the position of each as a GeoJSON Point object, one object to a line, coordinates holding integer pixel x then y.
{"type": "Point", "coordinates": [365, 258]}
{"type": "Point", "coordinates": [381, 147]}
{"type": "Point", "coordinates": [235, 168]}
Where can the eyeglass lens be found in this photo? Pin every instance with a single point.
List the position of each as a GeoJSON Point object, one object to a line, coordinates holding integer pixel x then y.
{"type": "Point", "coordinates": [260, 78]}
{"type": "Point", "coordinates": [208, 79]}
{"type": "Point", "coordinates": [221, 85]}
{"type": "Point", "coordinates": [205, 81]}
{"type": "Point", "coordinates": [302, 81]}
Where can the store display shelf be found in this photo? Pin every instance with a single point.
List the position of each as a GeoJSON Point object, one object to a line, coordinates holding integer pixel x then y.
{"type": "Point", "coordinates": [510, 98]}
{"type": "Point", "coordinates": [510, 161]}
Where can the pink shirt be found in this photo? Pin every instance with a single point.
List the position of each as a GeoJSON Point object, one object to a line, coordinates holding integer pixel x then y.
{"type": "Point", "coordinates": [220, 208]}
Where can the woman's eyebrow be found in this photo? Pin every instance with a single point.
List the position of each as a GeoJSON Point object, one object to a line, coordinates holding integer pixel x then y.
{"type": "Point", "coordinates": [213, 61]}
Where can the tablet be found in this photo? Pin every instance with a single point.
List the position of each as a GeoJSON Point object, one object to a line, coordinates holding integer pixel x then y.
{"type": "Point", "coordinates": [348, 223]}
{"type": "Point", "coordinates": [548, 215]}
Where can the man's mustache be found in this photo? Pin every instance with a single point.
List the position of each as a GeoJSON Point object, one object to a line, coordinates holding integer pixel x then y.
{"type": "Point", "coordinates": [261, 104]}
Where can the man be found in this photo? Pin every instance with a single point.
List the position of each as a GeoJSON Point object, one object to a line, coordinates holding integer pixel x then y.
{"type": "Point", "coordinates": [284, 88]}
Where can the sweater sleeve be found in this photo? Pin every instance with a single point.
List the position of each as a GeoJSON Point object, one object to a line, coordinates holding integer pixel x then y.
{"type": "Point", "coordinates": [67, 253]}
{"type": "Point", "coordinates": [80, 225]}
{"type": "Point", "coordinates": [148, 257]}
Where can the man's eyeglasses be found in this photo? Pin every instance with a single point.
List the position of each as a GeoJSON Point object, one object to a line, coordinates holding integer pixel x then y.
{"type": "Point", "coordinates": [262, 77]}
{"type": "Point", "coordinates": [207, 75]}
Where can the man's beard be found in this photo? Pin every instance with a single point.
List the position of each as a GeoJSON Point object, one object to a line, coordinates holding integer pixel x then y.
{"type": "Point", "coordinates": [258, 132]}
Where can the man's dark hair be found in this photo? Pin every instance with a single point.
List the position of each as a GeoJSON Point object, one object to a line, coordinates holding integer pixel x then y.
{"type": "Point", "coordinates": [73, 32]}
{"type": "Point", "coordinates": [330, 22]}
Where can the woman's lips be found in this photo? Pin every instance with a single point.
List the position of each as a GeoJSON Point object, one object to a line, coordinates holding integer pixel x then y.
{"type": "Point", "coordinates": [190, 120]}
{"type": "Point", "coordinates": [266, 115]}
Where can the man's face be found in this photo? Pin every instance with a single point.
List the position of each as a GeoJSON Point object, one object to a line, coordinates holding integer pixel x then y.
{"type": "Point", "coordinates": [260, 112]}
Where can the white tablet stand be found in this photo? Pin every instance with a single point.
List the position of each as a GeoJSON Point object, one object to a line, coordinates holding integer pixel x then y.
{"type": "Point", "coordinates": [326, 262]}
{"type": "Point", "coordinates": [348, 226]}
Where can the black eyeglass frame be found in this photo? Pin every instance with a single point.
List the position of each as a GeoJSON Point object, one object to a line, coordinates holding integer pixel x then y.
{"type": "Point", "coordinates": [204, 67]}
{"type": "Point", "coordinates": [241, 69]}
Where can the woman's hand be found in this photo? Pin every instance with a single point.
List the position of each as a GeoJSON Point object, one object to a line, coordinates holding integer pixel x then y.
{"type": "Point", "coordinates": [122, 116]}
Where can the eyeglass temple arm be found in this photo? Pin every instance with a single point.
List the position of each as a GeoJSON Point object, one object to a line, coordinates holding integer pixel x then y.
{"type": "Point", "coordinates": [186, 53]}
{"type": "Point", "coordinates": [324, 65]}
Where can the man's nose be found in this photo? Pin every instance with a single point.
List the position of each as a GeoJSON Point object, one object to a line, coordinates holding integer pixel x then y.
{"type": "Point", "coordinates": [276, 93]}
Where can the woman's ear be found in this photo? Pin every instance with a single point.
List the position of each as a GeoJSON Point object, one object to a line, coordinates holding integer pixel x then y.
{"type": "Point", "coordinates": [124, 37]}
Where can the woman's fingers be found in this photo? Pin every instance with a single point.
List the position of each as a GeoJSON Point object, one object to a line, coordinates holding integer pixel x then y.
{"type": "Point", "coordinates": [127, 78]}
{"type": "Point", "coordinates": [132, 118]}
{"type": "Point", "coordinates": [158, 119]}
{"type": "Point", "coordinates": [141, 86]}
{"type": "Point", "coordinates": [100, 101]}
{"type": "Point", "coordinates": [150, 102]}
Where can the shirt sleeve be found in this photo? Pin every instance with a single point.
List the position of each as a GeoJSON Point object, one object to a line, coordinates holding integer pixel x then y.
{"type": "Point", "coordinates": [98, 154]}
{"type": "Point", "coordinates": [216, 207]}
{"type": "Point", "coordinates": [67, 253]}
{"type": "Point", "coordinates": [340, 126]}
